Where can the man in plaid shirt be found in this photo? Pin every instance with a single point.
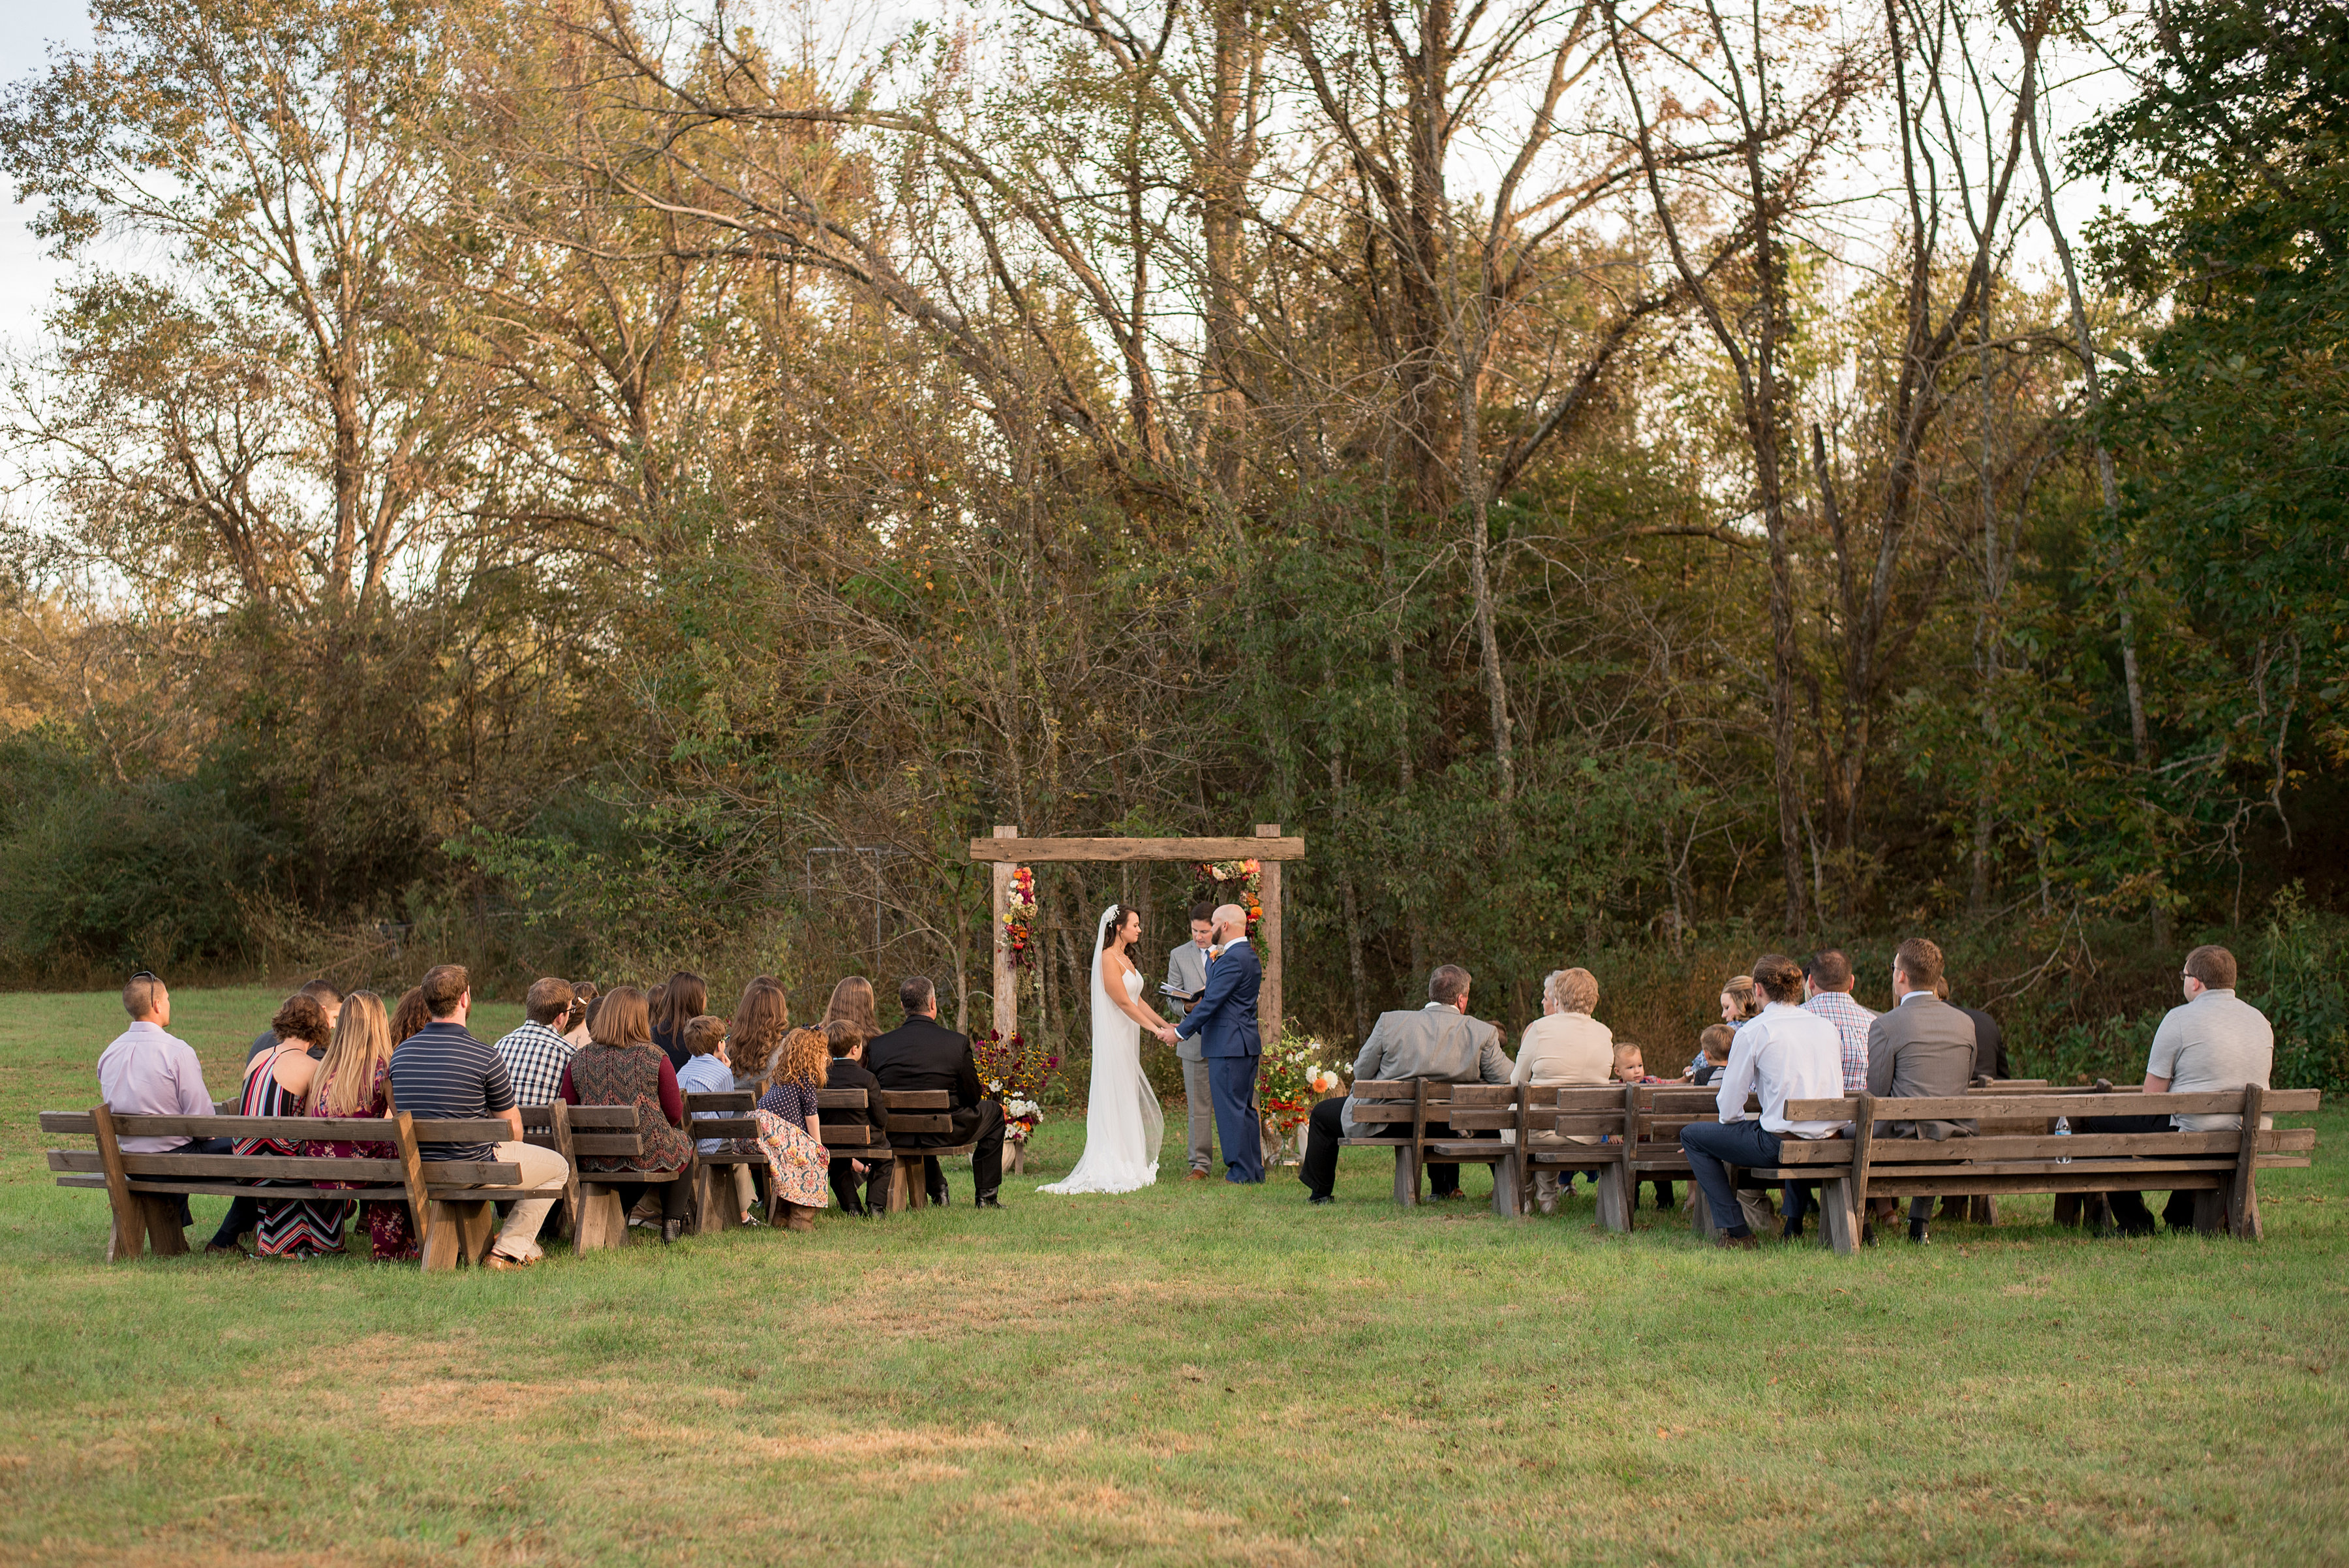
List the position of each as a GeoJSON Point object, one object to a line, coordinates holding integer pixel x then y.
{"type": "Point", "coordinates": [1828, 980]}
{"type": "Point", "coordinates": [536, 1054]}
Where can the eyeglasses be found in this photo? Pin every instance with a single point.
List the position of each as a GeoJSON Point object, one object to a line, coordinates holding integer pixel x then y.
{"type": "Point", "coordinates": [146, 974]}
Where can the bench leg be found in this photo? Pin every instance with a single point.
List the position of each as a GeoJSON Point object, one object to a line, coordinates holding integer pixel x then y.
{"type": "Point", "coordinates": [164, 1237]}
{"type": "Point", "coordinates": [1508, 1200]}
{"type": "Point", "coordinates": [477, 1227]}
{"type": "Point", "coordinates": [1838, 1225]}
{"type": "Point", "coordinates": [1983, 1209]}
{"type": "Point", "coordinates": [912, 1181]}
{"type": "Point", "coordinates": [1701, 1217]}
{"type": "Point", "coordinates": [2210, 1214]}
{"type": "Point", "coordinates": [710, 1214]}
{"type": "Point", "coordinates": [443, 1245]}
{"type": "Point", "coordinates": [602, 1225]}
{"type": "Point", "coordinates": [1406, 1178]}
{"type": "Point", "coordinates": [1615, 1194]}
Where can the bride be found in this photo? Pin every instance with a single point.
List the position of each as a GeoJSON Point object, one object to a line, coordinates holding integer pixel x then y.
{"type": "Point", "coordinates": [1123, 1124]}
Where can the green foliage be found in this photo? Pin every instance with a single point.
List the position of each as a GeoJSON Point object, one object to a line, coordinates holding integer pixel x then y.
{"type": "Point", "coordinates": [2301, 981]}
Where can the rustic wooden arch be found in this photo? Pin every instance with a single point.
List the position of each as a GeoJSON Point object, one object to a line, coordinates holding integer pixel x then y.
{"type": "Point", "coordinates": [1007, 850]}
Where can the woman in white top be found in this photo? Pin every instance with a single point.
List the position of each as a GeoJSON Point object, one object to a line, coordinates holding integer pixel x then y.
{"type": "Point", "coordinates": [1565, 1045]}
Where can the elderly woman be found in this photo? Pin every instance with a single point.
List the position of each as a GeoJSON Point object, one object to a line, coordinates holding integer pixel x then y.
{"type": "Point", "coordinates": [1564, 1046]}
{"type": "Point", "coordinates": [622, 1066]}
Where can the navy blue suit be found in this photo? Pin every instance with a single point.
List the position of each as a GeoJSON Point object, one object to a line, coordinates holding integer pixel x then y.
{"type": "Point", "coordinates": [1223, 1023]}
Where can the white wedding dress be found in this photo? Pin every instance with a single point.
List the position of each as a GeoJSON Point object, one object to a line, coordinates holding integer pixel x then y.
{"type": "Point", "coordinates": [1123, 1125]}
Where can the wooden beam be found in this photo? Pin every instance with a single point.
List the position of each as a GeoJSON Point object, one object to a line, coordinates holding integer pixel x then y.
{"type": "Point", "coordinates": [1007, 977]}
{"type": "Point", "coordinates": [1267, 1002]}
{"type": "Point", "coordinates": [1006, 847]}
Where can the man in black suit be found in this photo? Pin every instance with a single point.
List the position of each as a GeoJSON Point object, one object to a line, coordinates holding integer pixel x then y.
{"type": "Point", "coordinates": [920, 1055]}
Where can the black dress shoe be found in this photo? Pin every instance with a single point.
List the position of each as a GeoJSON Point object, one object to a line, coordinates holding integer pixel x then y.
{"type": "Point", "coordinates": [987, 1201]}
{"type": "Point", "coordinates": [671, 1229]}
{"type": "Point", "coordinates": [938, 1199]}
{"type": "Point", "coordinates": [1867, 1232]}
{"type": "Point", "coordinates": [1917, 1232]}
{"type": "Point", "coordinates": [1318, 1199]}
{"type": "Point", "coordinates": [1791, 1232]}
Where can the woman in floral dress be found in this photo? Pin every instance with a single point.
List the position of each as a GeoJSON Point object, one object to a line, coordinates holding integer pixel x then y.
{"type": "Point", "coordinates": [355, 1081]}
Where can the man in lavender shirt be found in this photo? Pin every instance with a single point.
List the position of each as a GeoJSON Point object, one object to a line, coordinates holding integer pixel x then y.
{"type": "Point", "coordinates": [150, 1072]}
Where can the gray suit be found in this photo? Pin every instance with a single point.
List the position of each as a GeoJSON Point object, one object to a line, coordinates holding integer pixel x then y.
{"type": "Point", "coordinates": [1922, 1048]}
{"type": "Point", "coordinates": [1435, 1043]}
{"type": "Point", "coordinates": [1186, 969]}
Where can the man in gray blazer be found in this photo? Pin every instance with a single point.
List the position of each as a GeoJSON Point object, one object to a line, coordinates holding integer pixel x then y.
{"type": "Point", "coordinates": [1187, 972]}
{"type": "Point", "coordinates": [1440, 1042]}
{"type": "Point", "coordinates": [1923, 1048]}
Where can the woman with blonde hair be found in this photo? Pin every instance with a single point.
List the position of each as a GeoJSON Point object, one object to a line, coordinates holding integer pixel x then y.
{"type": "Point", "coordinates": [852, 1003]}
{"type": "Point", "coordinates": [355, 1082]}
{"type": "Point", "coordinates": [790, 1134]}
{"type": "Point", "coordinates": [622, 1066]}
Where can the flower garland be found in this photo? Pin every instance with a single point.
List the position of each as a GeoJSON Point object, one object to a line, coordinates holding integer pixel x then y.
{"type": "Point", "coordinates": [1292, 1077]}
{"type": "Point", "coordinates": [1245, 876]}
{"type": "Point", "coordinates": [1016, 1073]}
{"type": "Point", "coordinates": [1020, 919]}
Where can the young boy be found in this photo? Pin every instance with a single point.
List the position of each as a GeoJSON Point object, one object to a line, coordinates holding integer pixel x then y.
{"type": "Point", "coordinates": [858, 1188]}
{"type": "Point", "coordinates": [1713, 1047]}
{"type": "Point", "coordinates": [708, 1071]}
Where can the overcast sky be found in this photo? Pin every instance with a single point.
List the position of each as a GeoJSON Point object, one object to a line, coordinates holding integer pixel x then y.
{"type": "Point", "coordinates": [27, 27]}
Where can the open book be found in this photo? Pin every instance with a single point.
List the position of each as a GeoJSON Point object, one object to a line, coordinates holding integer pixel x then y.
{"type": "Point", "coordinates": [1174, 993]}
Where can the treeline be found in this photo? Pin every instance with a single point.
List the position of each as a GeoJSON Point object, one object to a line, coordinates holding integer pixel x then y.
{"type": "Point", "coordinates": [589, 489]}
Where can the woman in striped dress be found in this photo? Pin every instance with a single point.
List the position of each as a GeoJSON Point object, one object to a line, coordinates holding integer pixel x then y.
{"type": "Point", "coordinates": [278, 1085]}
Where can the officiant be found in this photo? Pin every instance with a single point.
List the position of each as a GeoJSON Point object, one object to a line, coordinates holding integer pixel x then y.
{"type": "Point", "coordinates": [1187, 975]}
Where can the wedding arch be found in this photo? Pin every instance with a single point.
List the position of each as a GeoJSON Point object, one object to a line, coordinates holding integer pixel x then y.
{"type": "Point", "coordinates": [1006, 852]}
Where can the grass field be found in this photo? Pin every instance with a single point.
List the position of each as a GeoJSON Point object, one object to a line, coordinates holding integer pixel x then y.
{"type": "Point", "coordinates": [1197, 1373]}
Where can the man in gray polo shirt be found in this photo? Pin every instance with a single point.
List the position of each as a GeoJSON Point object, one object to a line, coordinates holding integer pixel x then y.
{"type": "Point", "coordinates": [2216, 1042]}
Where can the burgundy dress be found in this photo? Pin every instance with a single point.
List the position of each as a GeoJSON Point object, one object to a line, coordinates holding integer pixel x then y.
{"type": "Point", "coordinates": [388, 1237]}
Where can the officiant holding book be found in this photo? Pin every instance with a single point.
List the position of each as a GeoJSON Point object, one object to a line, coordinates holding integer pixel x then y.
{"type": "Point", "coordinates": [1187, 976]}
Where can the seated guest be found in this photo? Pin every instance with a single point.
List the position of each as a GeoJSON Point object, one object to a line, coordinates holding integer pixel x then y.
{"type": "Point", "coordinates": [848, 1072]}
{"type": "Point", "coordinates": [325, 993]}
{"type": "Point", "coordinates": [441, 1073]}
{"type": "Point", "coordinates": [1712, 1054]}
{"type": "Point", "coordinates": [1564, 1046]}
{"type": "Point", "coordinates": [852, 1003]}
{"type": "Point", "coordinates": [409, 1015]}
{"type": "Point", "coordinates": [1827, 984]}
{"type": "Point", "coordinates": [1631, 1068]}
{"type": "Point", "coordinates": [2215, 1043]}
{"type": "Point", "coordinates": [575, 1023]}
{"type": "Point", "coordinates": [536, 1054]}
{"type": "Point", "coordinates": [621, 1067]}
{"type": "Point", "coordinates": [921, 1054]}
{"type": "Point", "coordinates": [709, 1070]}
{"type": "Point", "coordinates": [795, 1140]}
{"type": "Point", "coordinates": [1923, 1048]}
{"type": "Point", "coordinates": [147, 1071]}
{"type": "Point", "coordinates": [684, 999]}
{"type": "Point", "coordinates": [1440, 1042]}
{"type": "Point", "coordinates": [1740, 1005]}
{"type": "Point", "coordinates": [355, 1082]}
{"type": "Point", "coordinates": [1785, 1054]}
{"type": "Point", "coordinates": [278, 1085]}
{"type": "Point", "coordinates": [1989, 1040]}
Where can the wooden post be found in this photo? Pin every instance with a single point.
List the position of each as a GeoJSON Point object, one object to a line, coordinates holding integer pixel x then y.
{"type": "Point", "coordinates": [1007, 977]}
{"type": "Point", "coordinates": [412, 1164]}
{"type": "Point", "coordinates": [1267, 1002]}
{"type": "Point", "coordinates": [2241, 1208]}
{"type": "Point", "coordinates": [130, 1218]}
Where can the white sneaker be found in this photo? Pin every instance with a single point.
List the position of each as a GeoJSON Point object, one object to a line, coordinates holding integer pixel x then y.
{"type": "Point", "coordinates": [646, 1224]}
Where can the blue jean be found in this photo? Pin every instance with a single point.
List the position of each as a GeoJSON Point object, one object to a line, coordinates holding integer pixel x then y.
{"type": "Point", "coordinates": [1713, 1147]}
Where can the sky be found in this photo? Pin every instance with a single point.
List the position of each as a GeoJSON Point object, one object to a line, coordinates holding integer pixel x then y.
{"type": "Point", "coordinates": [27, 27]}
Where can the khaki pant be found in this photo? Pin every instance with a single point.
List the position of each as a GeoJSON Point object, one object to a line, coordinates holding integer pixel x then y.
{"type": "Point", "coordinates": [543, 1171]}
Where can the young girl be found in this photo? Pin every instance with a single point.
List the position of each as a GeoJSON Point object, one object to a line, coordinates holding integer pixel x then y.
{"type": "Point", "coordinates": [355, 1081]}
{"type": "Point", "coordinates": [789, 1131]}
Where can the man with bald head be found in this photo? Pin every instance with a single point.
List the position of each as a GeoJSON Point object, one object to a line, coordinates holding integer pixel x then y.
{"type": "Point", "coordinates": [1223, 1021]}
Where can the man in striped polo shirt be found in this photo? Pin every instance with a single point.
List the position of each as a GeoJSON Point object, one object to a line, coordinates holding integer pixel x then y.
{"type": "Point", "coordinates": [441, 1073]}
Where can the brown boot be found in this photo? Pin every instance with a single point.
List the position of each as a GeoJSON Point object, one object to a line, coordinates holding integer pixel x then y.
{"type": "Point", "coordinates": [798, 1217]}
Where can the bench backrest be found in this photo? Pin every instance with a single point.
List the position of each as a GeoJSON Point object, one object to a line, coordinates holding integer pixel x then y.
{"type": "Point", "coordinates": [918, 1111]}
{"type": "Point", "coordinates": [606, 1131]}
{"type": "Point", "coordinates": [846, 1125]}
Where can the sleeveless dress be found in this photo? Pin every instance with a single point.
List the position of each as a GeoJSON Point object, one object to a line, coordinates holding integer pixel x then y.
{"type": "Point", "coordinates": [286, 1229]}
{"type": "Point", "coordinates": [389, 1237]}
{"type": "Point", "coordinates": [630, 1076]}
{"type": "Point", "coordinates": [1124, 1125]}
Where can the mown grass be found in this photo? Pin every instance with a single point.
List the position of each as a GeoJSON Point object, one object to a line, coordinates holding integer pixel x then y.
{"type": "Point", "coordinates": [1197, 1373]}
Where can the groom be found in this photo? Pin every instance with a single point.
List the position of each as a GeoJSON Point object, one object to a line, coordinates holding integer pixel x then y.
{"type": "Point", "coordinates": [1223, 1023]}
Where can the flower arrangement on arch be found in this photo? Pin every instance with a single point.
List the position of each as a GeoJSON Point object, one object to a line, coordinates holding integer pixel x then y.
{"type": "Point", "coordinates": [1016, 1073]}
{"type": "Point", "coordinates": [1019, 918]}
{"type": "Point", "coordinates": [1240, 881]}
{"type": "Point", "coordinates": [1293, 1075]}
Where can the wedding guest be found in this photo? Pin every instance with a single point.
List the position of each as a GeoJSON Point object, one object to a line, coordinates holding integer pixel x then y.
{"type": "Point", "coordinates": [1713, 1052]}
{"type": "Point", "coordinates": [1989, 1040]}
{"type": "Point", "coordinates": [325, 993]}
{"type": "Point", "coordinates": [1564, 1046]}
{"type": "Point", "coordinates": [684, 998]}
{"type": "Point", "coordinates": [441, 1073]}
{"type": "Point", "coordinates": [1186, 970]}
{"type": "Point", "coordinates": [278, 1085]}
{"type": "Point", "coordinates": [536, 1054]}
{"type": "Point", "coordinates": [1739, 1007]}
{"type": "Point", "coordinates": [1828, 980]}
{"type": "Point", "coordinates": [920, 1053]}
{"type": "Point", "coordinates": [575, 1023]}
{"type": "Point", "coordinates": [355, 1082]}
{"type": "Point", "coordinates": [1922, 1049]}
{"type": "Point", "coordinates": [1785, 1053]}
{"type": "Point", "coordinates": [147, 1071]}
{"type": "Point", "coordinates": [621, 1067]}
{"type": "Point", "coordinates": [1441, 1043]}
{"type": "Point", "coordinates": [1631, 1068]}
{"type": "Point", "coordinates": [2215, 1043]}
{"type": "Point", "coordinates": [856, 1184]}
{"type": "Point", "coordinates": [852, 1003]}
{"type": "Point", "coordinates": [801, 1068]}
{"type": "Point", "coordinates": [709, 1070]}
{"type": "Point", "coordinates": [409, 1015]}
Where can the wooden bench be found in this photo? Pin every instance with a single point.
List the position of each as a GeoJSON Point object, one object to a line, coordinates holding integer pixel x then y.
{"type": "Point", "coordinates": [451, 1203]}
{"type": "Point", "coordinates": [572, 1131]}
{"type": "Point", "coordinates": [1404, 1108]}
{"type": "Point", "coordinates": [2221, 1167]}
{"type": "Point", "coordinates": [580, 1133]}
{"type": "Point", "coordinates": [723, 1115]}
{"type": "Point", "coordinates": [850, 1136]}
{"type": "Point", "coordinates": [914, 1113]}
